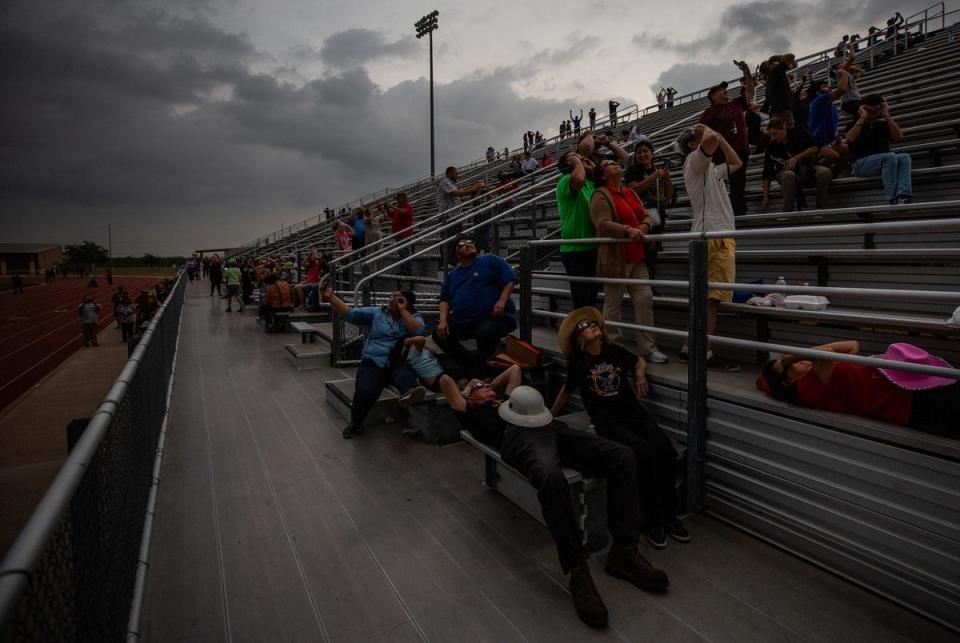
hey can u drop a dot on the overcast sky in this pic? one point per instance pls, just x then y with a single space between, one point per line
203 124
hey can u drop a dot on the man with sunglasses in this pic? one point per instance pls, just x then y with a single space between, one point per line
385 324
475 304
869 140
539 447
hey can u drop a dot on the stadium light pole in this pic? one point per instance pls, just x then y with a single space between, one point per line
425 27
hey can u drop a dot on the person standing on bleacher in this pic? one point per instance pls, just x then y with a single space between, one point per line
531 441
711 211
385 325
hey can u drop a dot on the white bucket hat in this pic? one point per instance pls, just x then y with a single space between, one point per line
525 408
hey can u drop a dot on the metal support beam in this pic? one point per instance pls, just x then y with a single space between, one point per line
526 292
697 375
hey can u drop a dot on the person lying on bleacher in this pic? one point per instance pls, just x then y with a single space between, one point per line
869 139
789 157
599 370
539 447
475 304
923 402
385 324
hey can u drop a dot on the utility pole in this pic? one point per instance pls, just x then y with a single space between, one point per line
110 244
426 26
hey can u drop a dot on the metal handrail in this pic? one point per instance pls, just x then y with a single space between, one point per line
792 231
810 353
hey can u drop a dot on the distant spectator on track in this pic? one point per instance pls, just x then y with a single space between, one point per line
869 139
712 211
115 300
89 312
17 280
126 315
922 402
109 275
728 119
475 303
790 159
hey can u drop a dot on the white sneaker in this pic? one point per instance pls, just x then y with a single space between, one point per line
656 357
413 396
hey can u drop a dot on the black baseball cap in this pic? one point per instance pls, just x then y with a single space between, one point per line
721 85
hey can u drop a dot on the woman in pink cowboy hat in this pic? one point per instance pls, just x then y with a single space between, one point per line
924 402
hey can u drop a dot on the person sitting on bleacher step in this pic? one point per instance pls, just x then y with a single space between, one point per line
598 370
385 324
277 298
475 304
789 158
539 447
869 139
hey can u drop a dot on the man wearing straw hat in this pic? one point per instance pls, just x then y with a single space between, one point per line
539 447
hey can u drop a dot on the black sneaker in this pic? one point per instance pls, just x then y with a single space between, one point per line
351 431
586 598
677 531
627 563
714 363
656 538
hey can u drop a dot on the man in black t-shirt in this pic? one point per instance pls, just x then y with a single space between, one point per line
789 158
869 140
539 447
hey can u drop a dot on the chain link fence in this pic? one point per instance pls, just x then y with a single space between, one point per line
70 575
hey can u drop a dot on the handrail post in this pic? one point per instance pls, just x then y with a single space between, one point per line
526 292
336 324
697 375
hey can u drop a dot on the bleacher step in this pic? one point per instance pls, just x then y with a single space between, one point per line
307 357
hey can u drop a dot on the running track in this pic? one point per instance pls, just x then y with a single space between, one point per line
40 328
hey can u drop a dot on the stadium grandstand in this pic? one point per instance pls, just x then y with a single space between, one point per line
213 497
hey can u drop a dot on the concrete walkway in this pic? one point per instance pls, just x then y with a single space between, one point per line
271 527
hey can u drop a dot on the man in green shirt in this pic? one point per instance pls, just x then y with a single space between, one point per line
232 275
574 192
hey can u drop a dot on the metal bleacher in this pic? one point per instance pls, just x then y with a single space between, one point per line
876 504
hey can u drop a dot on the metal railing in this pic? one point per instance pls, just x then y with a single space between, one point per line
75 569
696 335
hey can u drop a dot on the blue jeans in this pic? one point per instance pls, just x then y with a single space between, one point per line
893 168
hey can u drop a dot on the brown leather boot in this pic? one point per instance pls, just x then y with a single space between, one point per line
629 564
586 598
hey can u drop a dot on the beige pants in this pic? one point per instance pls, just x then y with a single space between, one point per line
642 298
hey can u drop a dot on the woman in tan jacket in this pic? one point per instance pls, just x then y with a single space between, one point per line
617 212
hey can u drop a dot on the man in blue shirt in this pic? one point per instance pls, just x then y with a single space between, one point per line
386 325
475 304
822 117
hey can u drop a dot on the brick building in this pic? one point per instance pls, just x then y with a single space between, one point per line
28 258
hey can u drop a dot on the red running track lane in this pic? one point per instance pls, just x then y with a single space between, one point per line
40 328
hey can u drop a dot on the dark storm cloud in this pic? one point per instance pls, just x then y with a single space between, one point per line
158 122
357 46
757 29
